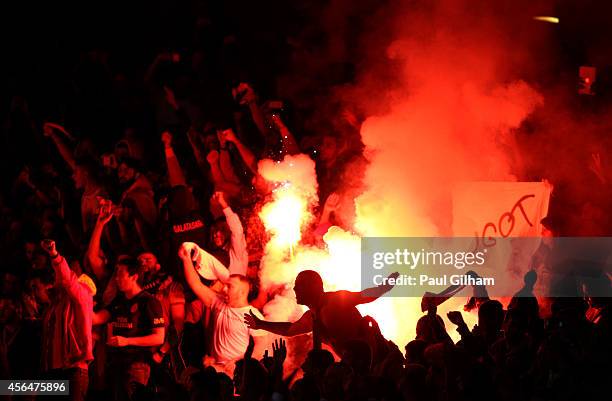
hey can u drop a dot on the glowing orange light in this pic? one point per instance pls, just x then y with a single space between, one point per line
294 195
338 262
284 217
552 20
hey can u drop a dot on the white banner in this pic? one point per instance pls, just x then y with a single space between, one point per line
489 210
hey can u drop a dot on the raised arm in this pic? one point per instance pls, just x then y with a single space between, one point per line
596 168
205 294
176 176
245 95
219 181
325 220
225 161
372 294
302 326
215 171
193 137
456 318
245 153
470 342
233 221
152 69
288 143
25 179
111 290
50 130
93 255
65 277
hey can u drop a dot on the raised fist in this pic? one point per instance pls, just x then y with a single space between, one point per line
166 139
219 197
455 317
49 127
244 93
227 135
184 252
48 245
332 202
212 157
106 211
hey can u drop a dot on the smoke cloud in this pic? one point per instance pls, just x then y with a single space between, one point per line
450 95
448 91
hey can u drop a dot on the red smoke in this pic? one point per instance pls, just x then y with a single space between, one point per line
449 91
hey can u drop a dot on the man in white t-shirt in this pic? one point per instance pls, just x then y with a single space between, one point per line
231 334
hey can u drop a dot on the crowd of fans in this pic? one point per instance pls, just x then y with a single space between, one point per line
140 282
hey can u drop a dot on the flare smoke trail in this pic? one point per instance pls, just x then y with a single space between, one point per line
450 116
444 87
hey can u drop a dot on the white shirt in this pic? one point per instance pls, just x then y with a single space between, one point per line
238 255
231 334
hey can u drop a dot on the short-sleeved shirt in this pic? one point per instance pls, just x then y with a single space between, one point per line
136 317
231 334
168 292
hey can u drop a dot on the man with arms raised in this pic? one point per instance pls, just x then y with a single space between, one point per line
231 335
67 321
332 316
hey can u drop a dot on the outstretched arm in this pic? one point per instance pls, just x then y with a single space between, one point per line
372 294
205 294
302 326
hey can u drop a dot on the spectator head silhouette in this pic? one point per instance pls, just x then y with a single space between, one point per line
491 316
308 288
358 355
317 362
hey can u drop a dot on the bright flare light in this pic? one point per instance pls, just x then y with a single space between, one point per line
295 193
284 217
338 262
552 20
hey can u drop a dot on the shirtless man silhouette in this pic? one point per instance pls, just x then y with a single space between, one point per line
332 316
